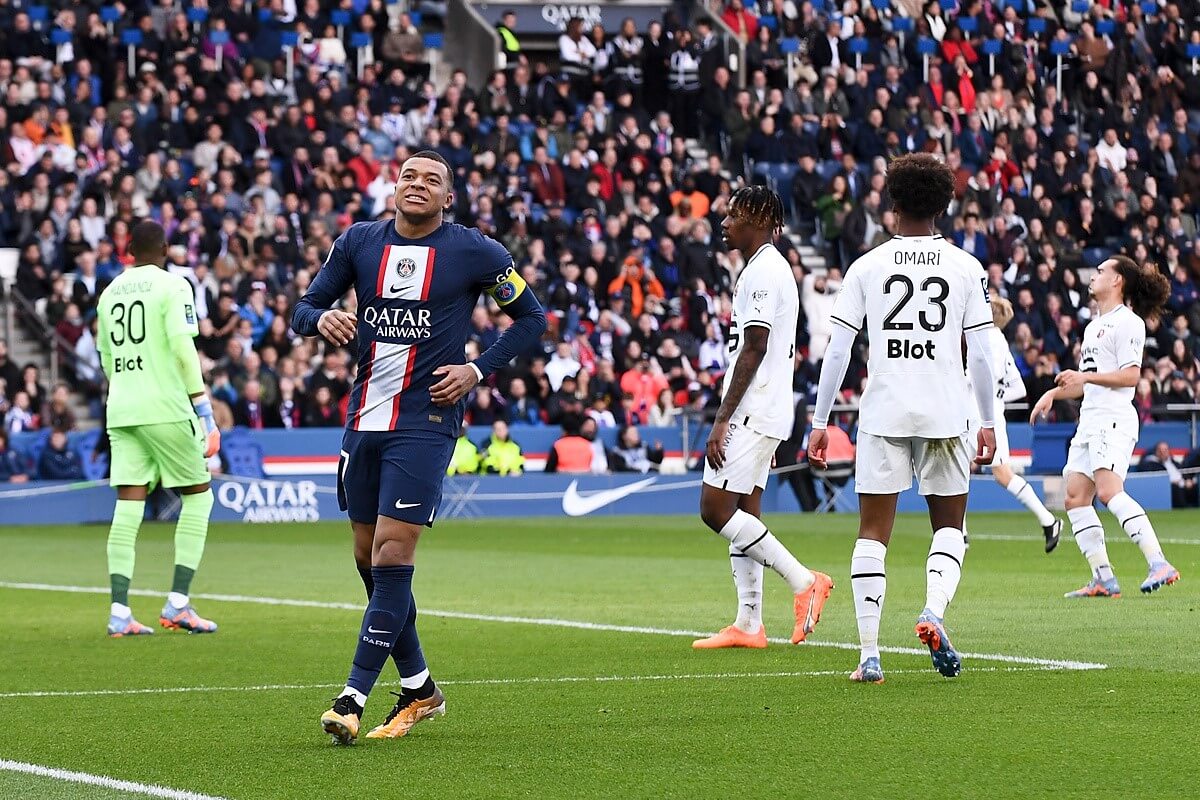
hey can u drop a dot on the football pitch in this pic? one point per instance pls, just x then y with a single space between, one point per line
564 650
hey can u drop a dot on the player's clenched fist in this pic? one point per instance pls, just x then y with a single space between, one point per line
457 380
338 326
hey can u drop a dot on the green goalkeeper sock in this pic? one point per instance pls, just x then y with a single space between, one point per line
122 541
190 534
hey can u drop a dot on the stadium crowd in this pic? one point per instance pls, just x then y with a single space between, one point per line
605 171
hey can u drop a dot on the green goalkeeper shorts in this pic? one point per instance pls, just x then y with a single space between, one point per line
170 453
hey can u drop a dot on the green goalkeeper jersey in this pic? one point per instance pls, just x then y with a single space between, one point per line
139 315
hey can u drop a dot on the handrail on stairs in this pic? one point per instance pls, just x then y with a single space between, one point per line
41 330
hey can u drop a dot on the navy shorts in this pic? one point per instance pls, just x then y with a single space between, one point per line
395 474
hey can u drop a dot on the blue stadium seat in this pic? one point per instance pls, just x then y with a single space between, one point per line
434 41
789 45
243 455
33 451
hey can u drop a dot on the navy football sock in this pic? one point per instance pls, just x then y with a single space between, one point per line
382 624
407 653
409 665
368 581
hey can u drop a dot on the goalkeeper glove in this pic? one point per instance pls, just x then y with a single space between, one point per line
212 436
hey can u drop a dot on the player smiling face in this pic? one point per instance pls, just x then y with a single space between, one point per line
424 189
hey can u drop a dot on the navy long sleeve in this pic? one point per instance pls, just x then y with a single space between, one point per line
334 279
529 323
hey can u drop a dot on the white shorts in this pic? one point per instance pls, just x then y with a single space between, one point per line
1103 448
886 464
748 455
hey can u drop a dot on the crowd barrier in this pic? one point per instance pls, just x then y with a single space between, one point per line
300 467
312 498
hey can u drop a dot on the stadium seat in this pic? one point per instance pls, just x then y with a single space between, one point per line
1050 444
434 41
243 455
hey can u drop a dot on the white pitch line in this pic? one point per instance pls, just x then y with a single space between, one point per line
1013 537
531 681
86 778
549 622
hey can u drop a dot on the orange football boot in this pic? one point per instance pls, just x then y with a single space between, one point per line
407 713
733 636
809 604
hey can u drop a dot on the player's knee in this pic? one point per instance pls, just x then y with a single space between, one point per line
714 513
1107 493
395 543
1076 500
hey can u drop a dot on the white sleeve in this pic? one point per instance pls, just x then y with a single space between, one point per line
763 294
978 312
1131 343
980 370
850 307
833 372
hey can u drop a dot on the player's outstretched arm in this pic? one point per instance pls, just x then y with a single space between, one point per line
314 315
749 358
1074 381
833 372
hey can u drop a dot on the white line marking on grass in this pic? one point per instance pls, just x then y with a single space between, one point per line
535 680
1013 537
145 789
549 622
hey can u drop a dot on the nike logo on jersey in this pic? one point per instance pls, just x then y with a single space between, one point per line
874 600
400 504
576 505
376 630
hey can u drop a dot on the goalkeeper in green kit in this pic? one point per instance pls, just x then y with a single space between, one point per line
160 423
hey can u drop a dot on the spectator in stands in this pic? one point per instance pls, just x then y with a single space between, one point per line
58 462
12 467
322 411
631 454
465 459
58 414
252 412
10 374
1183 488
500 455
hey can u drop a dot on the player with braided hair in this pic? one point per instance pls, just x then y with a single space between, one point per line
1110 365
755 415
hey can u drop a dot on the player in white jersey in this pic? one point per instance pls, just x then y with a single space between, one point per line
916 296
1009 387
755 415
1110 364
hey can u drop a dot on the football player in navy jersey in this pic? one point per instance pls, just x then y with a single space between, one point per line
417 280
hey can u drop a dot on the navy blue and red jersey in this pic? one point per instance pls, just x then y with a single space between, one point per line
415 298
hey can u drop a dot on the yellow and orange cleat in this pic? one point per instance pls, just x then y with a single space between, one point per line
733 636
407 712
343 720
809 604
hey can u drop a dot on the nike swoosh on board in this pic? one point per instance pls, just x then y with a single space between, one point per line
576 505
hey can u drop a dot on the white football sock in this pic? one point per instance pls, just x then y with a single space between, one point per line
1133 519
749 535
177 600
358 696
1089 535
1019 488
943 568
747 578
414 681
121 610
869 583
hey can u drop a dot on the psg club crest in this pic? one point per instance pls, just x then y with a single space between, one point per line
505 292
406 267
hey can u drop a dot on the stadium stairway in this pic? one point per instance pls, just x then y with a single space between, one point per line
24 347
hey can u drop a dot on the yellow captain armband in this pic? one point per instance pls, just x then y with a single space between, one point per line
508 287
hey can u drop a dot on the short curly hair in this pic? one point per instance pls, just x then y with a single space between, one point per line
920 185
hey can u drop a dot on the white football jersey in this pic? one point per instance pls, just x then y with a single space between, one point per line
1111 342
1009 386
915 295
766 296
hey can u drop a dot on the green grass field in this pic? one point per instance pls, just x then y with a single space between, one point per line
538 708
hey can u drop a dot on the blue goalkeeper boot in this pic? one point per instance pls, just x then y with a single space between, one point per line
931 633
